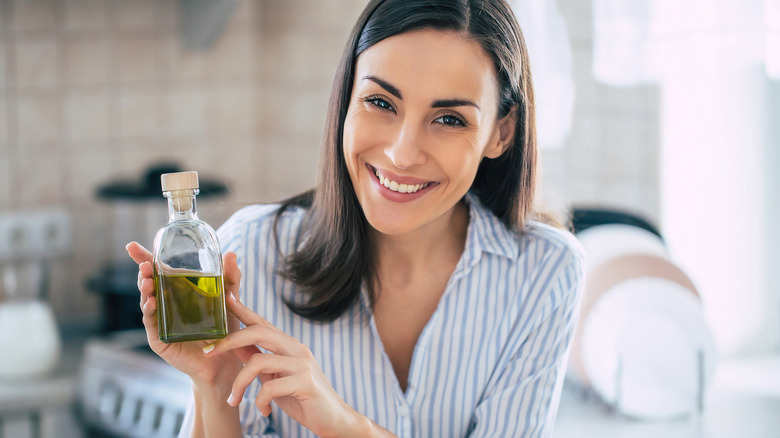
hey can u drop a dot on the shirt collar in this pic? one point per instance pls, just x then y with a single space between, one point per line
486 233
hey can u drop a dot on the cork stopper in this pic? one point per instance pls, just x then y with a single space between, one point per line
180 185
179 181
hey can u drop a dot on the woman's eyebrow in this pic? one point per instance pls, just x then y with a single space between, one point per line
386 85
443 103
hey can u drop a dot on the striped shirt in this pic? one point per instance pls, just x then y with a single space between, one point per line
489 363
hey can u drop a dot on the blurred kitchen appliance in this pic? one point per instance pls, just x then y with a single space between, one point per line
30 241
29 336
137 212
125 390
643 344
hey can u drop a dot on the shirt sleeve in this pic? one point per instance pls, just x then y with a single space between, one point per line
523 400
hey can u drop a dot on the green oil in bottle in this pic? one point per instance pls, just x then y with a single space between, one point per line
190 307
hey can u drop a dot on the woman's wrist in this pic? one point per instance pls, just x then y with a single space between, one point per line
212 412
360 426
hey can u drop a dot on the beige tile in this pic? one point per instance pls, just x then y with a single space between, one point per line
134 156
243 166
87 60
93 233
167 13
135 13
86 172
291 170
37 118
139 113
337 17
235 111
85 14
185 113
36 62
300 58
232 56
4 137
137 59
7 183
245 16
302 113
3 63
179 64
39 180
33 15
86 116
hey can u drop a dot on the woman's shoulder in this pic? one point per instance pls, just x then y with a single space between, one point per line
553 239
555 258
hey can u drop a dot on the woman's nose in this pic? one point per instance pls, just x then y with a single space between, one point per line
406 151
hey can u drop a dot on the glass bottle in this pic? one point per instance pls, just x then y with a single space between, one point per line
187 268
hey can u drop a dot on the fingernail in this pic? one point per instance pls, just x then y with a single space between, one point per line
233 297
230 399
209 348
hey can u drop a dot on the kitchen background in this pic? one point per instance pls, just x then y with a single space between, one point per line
95 91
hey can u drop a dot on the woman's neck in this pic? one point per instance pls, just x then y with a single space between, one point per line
427 249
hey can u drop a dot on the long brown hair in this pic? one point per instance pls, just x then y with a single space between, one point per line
335 259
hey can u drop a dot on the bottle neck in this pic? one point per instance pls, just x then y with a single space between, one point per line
181 205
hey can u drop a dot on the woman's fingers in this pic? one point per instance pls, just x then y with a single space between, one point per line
276 388
261 364
246 353
244 313
149 319
263 335
232 273
138 253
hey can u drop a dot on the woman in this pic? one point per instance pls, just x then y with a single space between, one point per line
409 294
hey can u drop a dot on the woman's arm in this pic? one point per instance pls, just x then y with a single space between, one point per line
523 399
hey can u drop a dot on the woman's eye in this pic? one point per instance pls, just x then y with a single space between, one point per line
450 120
380 103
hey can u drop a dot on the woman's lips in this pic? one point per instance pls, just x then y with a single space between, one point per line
399 188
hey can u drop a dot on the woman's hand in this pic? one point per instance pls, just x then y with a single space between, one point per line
290 376
188 356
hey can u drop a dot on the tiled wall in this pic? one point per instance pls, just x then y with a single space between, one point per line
611 156
95 90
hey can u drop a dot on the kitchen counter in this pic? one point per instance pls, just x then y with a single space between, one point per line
744 401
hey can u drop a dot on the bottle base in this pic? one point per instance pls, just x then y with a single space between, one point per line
171 339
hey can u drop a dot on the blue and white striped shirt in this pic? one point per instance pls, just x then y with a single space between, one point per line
490 362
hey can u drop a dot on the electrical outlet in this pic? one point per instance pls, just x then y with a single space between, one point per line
34 234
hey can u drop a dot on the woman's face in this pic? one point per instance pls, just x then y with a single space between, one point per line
422 115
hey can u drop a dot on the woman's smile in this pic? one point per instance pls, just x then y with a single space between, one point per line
399 188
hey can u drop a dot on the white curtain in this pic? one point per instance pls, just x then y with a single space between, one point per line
711 60
548 47
637 42
772 23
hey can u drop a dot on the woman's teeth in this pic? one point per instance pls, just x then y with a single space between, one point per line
400 188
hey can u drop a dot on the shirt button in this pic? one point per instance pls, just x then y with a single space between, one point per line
403 410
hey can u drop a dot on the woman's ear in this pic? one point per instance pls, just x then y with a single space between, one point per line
504 135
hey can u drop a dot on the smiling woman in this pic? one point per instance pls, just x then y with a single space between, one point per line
410 293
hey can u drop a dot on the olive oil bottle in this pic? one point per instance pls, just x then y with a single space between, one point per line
187 268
